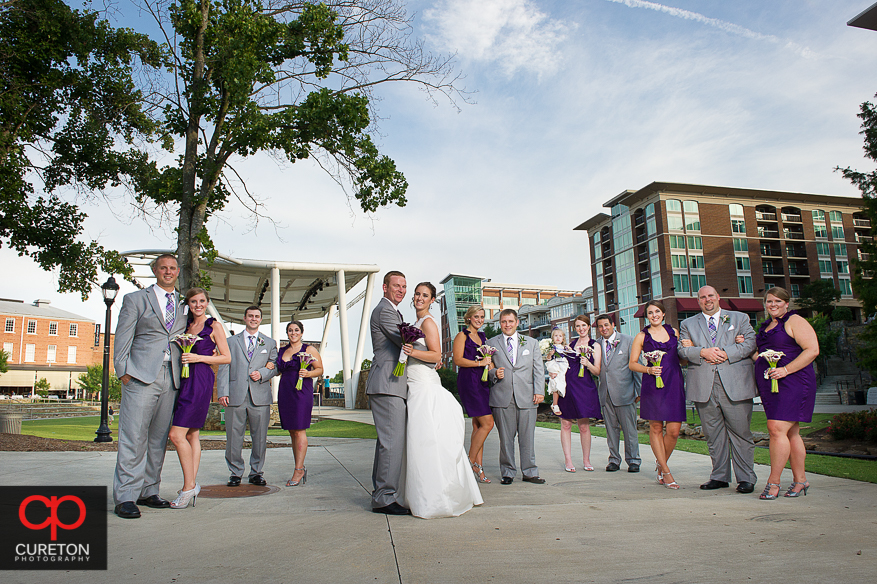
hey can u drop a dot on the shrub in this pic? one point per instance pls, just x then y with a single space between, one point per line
861 425
842 313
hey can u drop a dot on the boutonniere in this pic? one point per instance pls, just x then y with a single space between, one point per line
261 343
521 340
726 319
615 344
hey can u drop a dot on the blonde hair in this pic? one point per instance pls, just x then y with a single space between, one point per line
560 330
472 311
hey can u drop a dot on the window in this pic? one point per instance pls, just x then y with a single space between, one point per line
696 262
31 327
736 210
845 288
677 242
843 267
680 281
744 284
835 217
7 348
698 281
656 286
742 264
837 232
51 353
674 206
738 226
823 249
695 242
598 251
840 250
825 267
679 262
30 352
653 247
795 291
53 329
74 329
655 264
71 354
690 207
692 222
10 325
650 209
819 224
674 223
741 244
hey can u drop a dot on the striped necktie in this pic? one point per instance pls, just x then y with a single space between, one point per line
510 349
713 329
169 312
250 347
608 350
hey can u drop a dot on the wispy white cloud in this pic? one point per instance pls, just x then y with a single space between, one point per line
514 34
723 25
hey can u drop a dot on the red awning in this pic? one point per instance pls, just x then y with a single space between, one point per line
724 304
747 304
687 305
641 313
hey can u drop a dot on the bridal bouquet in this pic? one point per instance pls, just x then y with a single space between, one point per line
584 351
305 360
186 341
486 351
654 359
409 335
772 357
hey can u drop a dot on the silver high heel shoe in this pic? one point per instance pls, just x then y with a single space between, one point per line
185 497
792 493
299 482
479 473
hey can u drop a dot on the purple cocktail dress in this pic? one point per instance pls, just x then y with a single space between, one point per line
665 404
797 391
473 392
294 405
581 399
196 390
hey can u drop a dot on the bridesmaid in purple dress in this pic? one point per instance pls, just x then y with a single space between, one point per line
664 404
193 401
581 401
793 403
295 405
473 392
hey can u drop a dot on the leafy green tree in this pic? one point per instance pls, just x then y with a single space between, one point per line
289 77
448 379
42 387
819 296
70 120
827 338
92 380
842 313
4 361
338 378
490 330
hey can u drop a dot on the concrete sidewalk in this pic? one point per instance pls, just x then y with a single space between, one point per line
582 527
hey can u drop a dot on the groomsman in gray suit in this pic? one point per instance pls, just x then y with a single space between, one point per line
387 395
618 391
244 388
517 388
721 383
148 364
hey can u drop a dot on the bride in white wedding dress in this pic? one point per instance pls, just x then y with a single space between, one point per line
436 480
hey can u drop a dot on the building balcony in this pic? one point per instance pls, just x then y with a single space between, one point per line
788 218
765 216
863 238
767 269
862 223
794 252
646 297
793 235
643 256
639 220
770 252
864 257
641 237
770 234
541 322
795 270
610 286
644 275
611 307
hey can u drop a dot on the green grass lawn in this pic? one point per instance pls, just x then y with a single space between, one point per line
84 429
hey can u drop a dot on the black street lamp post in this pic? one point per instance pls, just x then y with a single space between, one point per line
109 291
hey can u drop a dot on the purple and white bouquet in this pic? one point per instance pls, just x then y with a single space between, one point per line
409 335
486 351
654 359
772 357
305 360
584 351
186 341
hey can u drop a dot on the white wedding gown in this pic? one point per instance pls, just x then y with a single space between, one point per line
437 480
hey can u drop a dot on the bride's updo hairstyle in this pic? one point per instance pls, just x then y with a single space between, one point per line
429 286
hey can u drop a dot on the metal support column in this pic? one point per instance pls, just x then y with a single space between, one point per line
364 326
349 390
275 319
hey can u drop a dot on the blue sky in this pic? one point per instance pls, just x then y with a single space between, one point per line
574 101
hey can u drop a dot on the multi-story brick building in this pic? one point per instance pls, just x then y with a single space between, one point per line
666 240
46 342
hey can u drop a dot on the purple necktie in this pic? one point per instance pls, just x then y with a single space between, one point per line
713 330
250 347
169 312
608 350
510 350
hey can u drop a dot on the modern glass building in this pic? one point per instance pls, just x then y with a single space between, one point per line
461 292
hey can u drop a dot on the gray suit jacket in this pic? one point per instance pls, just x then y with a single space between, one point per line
387 345
233 379
521 382
141 337
737 373
618 383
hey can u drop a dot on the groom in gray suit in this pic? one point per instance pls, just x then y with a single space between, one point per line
148 364
721 383
387 395
517 387
618 391
244 388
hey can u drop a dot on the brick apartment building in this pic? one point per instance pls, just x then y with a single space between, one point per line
666 240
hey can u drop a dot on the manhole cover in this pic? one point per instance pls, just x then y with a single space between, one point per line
226 492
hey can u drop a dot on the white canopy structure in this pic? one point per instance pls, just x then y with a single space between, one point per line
293 290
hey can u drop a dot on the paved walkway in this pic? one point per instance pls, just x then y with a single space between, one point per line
582 527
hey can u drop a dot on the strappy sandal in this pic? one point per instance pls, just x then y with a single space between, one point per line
479 473
299 482
766 496
555 409
569 468
792 493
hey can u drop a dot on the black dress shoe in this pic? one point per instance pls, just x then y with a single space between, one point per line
127 510
632 468
536 479
257 480
154 501
506 480
711 484
612 467
745 487
393 508
233 481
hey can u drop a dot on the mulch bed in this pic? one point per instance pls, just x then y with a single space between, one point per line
26 443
